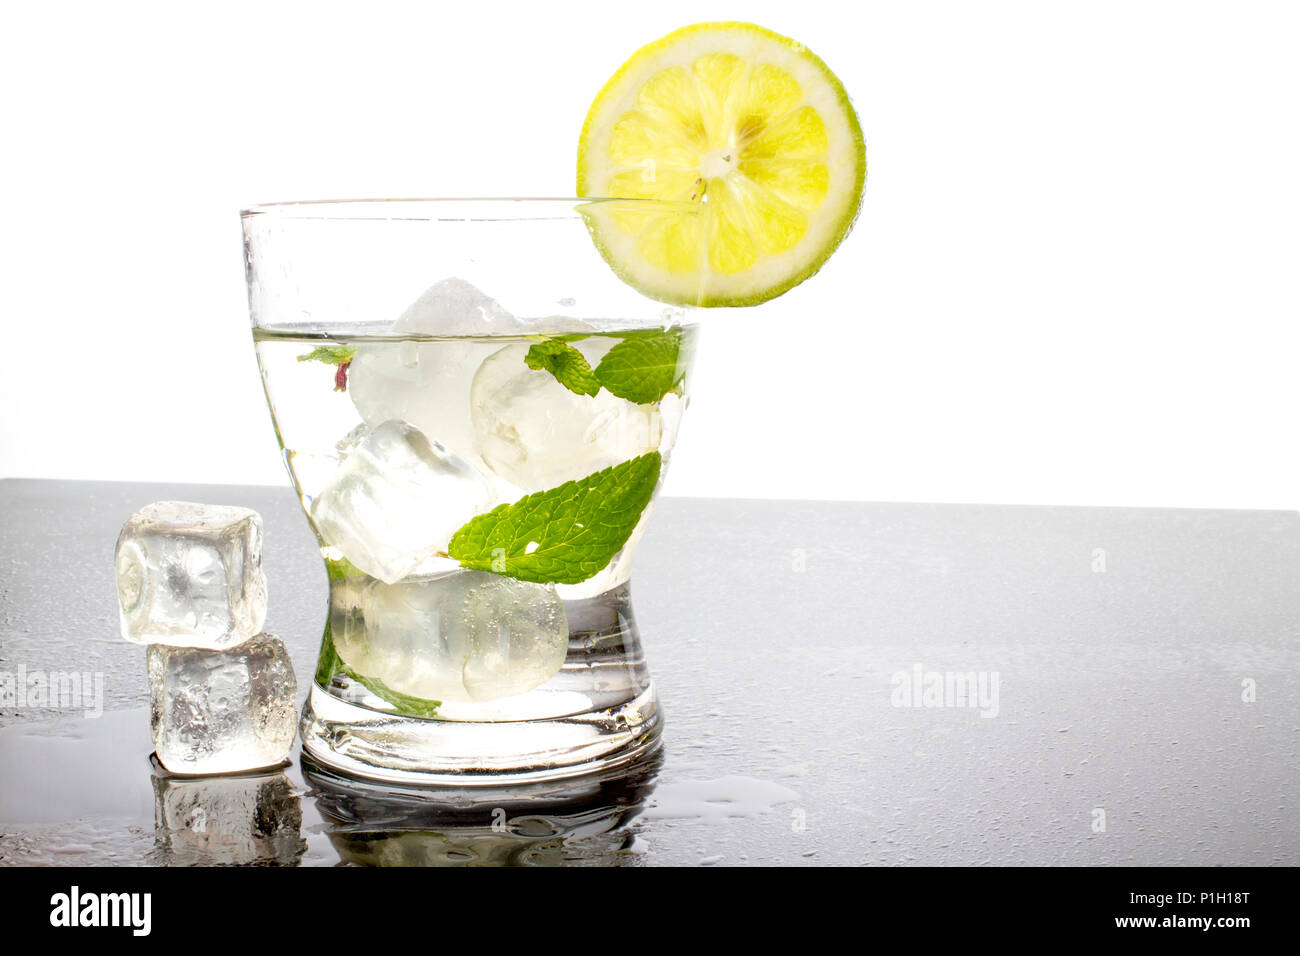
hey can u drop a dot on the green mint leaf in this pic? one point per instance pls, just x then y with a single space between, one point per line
643 368
340 355
330 664
342 568
330 354
563 534
402 703
564 362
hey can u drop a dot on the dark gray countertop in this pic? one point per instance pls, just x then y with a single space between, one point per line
781 635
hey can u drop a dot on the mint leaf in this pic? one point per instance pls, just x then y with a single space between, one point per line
342 568
402 703
644 368
564 362
563 534
330 664
340 355
330 354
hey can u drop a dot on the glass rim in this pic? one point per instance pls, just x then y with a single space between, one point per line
453 208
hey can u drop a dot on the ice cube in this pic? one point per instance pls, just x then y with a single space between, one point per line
190 575
535 433
427 383
396 500
460 636
227 821
222 711
454 307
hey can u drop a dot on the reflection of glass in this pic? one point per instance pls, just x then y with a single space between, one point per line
572 823
436 369
232 820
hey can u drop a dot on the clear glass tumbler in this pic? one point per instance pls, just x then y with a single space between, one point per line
476 413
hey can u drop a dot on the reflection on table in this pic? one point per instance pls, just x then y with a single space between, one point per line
577 822
252 819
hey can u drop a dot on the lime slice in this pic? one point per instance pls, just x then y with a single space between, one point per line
753 144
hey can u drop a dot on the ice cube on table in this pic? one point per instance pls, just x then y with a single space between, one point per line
461 636
222 711
427 383
396 500
227 821
536 434
190 575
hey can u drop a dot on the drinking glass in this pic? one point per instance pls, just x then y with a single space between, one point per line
476 412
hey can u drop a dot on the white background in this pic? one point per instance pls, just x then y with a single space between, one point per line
1074 279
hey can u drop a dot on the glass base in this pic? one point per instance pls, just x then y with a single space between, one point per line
599 713
361 742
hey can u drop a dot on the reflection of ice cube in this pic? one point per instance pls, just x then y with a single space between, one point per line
227 821
427 383
191 575
537 434
222 711
461 636
396 500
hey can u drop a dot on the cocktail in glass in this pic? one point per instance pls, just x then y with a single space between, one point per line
476 414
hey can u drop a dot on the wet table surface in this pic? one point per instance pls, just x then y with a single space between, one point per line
1132 699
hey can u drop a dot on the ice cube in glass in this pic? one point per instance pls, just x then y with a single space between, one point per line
396 500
